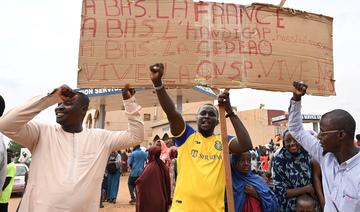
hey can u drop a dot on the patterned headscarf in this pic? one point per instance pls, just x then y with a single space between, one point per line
292 170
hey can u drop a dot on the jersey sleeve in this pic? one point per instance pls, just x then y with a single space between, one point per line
230 138
184 135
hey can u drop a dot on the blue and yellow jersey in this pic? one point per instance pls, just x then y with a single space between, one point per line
200 184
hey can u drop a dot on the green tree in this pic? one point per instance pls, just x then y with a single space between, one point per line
15 147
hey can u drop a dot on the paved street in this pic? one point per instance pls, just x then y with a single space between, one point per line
122 203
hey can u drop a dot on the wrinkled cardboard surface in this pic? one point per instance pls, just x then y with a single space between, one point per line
218 45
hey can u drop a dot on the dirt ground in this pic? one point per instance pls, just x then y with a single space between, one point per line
122 203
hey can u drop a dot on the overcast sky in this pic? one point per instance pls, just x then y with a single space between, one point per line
39 42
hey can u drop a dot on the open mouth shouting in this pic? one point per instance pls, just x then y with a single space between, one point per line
59 114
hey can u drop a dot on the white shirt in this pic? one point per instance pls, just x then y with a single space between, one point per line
3 161
67 168
341 182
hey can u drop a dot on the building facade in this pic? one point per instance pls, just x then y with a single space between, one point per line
259 122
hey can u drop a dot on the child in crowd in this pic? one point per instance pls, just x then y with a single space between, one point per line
305 203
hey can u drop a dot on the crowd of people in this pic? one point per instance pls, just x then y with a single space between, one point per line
308 172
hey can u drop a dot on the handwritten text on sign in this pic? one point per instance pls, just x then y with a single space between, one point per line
219 45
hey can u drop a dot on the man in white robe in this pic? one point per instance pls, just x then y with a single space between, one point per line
68 161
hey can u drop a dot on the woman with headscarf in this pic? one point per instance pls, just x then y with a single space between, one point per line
251 193
165 153
153 185
292 173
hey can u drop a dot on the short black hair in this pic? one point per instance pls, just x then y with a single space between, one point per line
2 105
83 99
341 120
358 136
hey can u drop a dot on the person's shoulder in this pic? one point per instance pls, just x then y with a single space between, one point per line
356 159
145 156
11 169
279 156
135 152
47 126
138 152
187 131
2 146
12 165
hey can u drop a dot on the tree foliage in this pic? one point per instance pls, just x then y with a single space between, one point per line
15 147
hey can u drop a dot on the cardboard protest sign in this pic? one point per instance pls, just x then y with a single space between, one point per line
214 44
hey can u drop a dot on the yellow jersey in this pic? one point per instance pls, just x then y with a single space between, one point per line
200 184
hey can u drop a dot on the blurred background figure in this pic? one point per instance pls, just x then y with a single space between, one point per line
168 141
358 140
113 176
3 154
103 196
136 163
254 161
153 186
124 162
173 169
264 159
9 182
25 156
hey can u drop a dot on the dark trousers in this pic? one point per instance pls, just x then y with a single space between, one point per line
4 207
131 185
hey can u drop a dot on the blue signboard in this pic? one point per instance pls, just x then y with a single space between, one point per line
92 92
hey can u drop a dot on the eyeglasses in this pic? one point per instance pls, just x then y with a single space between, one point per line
321 133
